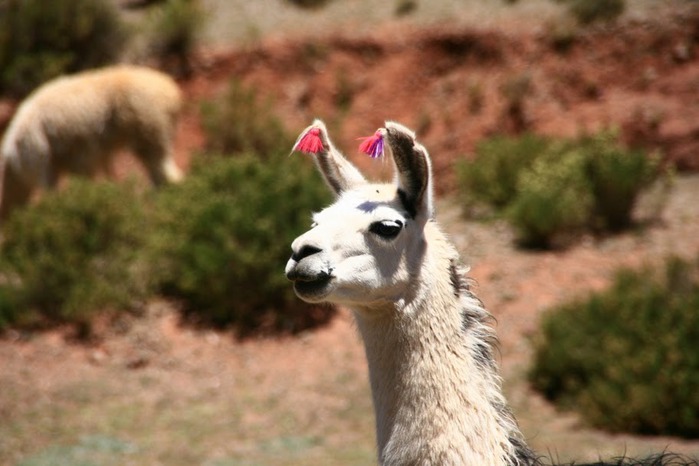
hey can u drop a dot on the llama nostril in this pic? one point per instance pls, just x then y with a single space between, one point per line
305 251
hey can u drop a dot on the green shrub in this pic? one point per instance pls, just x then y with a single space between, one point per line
224 236
40 39
11 312
590 11
73 253
175 31
548 188
562 34
617 176
476 97
345 91
492 178
627 359
553 198
405 7
310 4
239 122
516 90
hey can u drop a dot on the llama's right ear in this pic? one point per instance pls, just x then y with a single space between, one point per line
338 172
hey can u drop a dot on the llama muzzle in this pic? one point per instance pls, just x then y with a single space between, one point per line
310 275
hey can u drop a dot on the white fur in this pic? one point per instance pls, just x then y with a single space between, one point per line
75 123
435 385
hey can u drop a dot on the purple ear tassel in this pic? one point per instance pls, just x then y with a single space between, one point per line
373 145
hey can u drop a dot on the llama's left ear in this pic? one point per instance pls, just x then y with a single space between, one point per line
413 170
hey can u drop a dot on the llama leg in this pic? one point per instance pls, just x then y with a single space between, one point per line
15 192
164 171
158 160
172 172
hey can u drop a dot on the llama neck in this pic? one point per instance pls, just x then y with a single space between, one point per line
434 382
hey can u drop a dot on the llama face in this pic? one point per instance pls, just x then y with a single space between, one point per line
363 250
357 251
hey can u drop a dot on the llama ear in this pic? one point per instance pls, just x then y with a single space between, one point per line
413 170
338 172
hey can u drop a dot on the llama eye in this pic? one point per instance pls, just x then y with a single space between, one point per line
387 229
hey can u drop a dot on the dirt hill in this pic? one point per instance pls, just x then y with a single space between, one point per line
456 85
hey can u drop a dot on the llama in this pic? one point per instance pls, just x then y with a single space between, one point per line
428 339
74 124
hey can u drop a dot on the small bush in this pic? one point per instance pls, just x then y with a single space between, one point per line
590 11
627 359
476 97
617 176
405 7
309 4
224 236
516 90
72 254
553 198
238 122
549 188
345 91
40 40
11 312
175 32
492 178
562 34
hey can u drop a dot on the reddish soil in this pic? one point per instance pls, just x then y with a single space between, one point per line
456 86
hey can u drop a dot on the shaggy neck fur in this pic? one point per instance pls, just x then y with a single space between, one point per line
435 385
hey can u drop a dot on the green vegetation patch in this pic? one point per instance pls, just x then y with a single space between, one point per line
40 40
73 253
224 235
552 188
174 30
591 11
627 359
239 121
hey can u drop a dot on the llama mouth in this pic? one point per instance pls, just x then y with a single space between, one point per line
312 287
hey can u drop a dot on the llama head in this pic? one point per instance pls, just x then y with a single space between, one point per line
365 249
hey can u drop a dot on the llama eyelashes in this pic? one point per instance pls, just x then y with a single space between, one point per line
387 229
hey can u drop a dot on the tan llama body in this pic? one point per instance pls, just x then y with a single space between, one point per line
74 124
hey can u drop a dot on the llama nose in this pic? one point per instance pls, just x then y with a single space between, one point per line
305 251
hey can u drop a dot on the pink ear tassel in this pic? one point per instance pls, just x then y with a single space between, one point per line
372 145
309 142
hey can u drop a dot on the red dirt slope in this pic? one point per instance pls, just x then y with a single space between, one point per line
456 86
